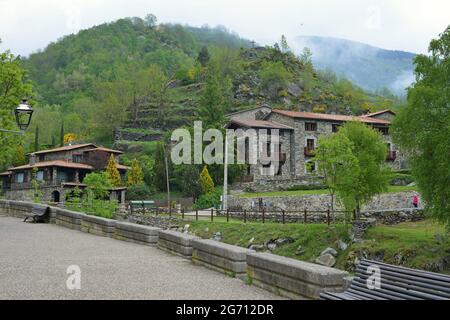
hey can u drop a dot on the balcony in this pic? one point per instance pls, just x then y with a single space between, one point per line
310 152
391 156
243 179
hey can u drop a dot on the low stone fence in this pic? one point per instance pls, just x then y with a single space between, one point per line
221 257
284 276
388 207
176 242
98 225
293 278
68 219
136 233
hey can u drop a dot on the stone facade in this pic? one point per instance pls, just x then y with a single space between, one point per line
297 146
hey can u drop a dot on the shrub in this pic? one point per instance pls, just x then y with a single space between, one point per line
209 200
138 192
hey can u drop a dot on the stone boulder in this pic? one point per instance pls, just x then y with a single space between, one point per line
326 260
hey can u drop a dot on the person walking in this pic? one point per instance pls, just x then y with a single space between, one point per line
415 200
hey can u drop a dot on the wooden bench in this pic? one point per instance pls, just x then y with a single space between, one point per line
396 283
38 213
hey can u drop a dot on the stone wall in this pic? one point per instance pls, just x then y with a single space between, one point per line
320 202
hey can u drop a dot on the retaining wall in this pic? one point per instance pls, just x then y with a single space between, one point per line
220 256
98 225
136 233
293 278
68 219
176 242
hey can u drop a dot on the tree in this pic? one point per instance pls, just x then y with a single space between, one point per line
61 135
187 180
36 139
422 128
135 175
206 182
150 20
98 184
203 56
284 44
337 163
70 137
360 172
112 172
212 104
13 88
160 168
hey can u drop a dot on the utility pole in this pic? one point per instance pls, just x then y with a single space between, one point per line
225 176
167 180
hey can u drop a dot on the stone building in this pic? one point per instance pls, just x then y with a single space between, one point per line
59 171
298 134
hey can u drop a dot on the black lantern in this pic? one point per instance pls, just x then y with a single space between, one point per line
23 114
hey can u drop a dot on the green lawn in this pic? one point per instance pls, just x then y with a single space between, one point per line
411 244
312 237
305 192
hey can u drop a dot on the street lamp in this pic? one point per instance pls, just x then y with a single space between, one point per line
23 114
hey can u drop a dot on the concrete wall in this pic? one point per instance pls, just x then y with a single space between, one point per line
285 276
293 278
176 242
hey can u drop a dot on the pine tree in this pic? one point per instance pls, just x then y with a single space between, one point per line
203 56
36 139
206 182
61 135
159 168
212 103
112 172
135 176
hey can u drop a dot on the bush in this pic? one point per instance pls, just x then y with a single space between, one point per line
401 179
206 201
138 192
306 187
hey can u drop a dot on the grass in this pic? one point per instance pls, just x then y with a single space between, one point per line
306 192
313 237
410 244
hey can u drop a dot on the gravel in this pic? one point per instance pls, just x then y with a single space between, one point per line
34 260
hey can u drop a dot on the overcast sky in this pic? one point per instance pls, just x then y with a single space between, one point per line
29 25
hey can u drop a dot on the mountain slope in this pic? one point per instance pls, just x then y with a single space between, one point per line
369 67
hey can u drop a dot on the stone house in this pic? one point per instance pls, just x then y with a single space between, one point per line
298 134
59 171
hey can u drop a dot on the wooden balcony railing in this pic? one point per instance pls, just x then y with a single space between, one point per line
391 156
247 178
310 152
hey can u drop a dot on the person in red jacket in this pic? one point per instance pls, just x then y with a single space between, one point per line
415 200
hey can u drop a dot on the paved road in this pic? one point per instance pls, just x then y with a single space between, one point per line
34 260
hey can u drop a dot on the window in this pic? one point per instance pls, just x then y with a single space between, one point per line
77 158
40 175
20 177
41 157
335 127
310 126
310 167
384 130
310 144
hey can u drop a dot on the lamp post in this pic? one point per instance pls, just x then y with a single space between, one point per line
23 114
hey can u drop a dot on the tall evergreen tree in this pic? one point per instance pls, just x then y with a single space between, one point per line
36 139
203 56
112 172
160 168
61 135
135 175
212 103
